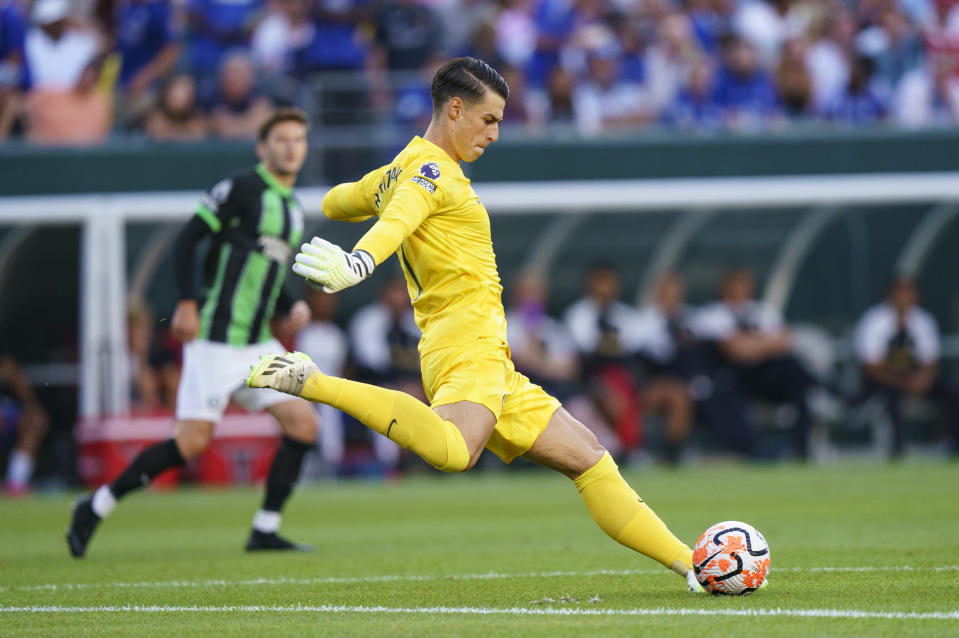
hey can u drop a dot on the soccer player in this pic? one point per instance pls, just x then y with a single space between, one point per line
756 343
254 223
897 345
429 215
20 412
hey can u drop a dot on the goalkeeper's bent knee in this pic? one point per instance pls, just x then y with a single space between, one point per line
457 452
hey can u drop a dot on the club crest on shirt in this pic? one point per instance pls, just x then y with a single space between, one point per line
218 195
430 170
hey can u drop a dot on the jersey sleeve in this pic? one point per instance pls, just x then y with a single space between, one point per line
770 320
580 321
714 323
351 201
870 338
413 201
221 203
928 347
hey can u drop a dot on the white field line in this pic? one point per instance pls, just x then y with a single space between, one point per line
490 611
405 578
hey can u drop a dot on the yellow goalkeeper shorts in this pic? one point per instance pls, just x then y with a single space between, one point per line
482 372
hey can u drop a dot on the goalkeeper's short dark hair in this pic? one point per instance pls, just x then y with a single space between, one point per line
467 79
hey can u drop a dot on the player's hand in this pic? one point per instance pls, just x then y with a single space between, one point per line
331 267
298 317
186 321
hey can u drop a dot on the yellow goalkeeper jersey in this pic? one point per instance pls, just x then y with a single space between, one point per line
431 218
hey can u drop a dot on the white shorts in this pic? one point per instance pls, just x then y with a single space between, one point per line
214 372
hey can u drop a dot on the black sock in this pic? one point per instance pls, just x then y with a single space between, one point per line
283 473
146 466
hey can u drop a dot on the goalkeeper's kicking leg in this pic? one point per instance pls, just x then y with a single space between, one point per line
452 437
569 447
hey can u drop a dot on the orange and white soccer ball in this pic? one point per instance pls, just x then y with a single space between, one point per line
732 558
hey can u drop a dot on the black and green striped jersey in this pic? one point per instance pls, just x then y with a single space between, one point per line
256 224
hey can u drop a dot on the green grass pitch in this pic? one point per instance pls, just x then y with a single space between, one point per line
857 549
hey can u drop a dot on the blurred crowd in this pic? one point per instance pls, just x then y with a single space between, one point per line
79 71
662 381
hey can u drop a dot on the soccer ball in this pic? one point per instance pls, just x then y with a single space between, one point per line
731 558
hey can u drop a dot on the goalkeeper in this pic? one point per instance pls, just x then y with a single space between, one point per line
430 217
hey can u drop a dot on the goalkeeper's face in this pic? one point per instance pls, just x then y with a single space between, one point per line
476 126
284 149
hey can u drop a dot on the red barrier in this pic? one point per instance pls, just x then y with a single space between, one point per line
241 451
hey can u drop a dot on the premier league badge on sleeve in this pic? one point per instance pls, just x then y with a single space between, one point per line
430 170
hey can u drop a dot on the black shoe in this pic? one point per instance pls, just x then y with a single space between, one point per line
82 525
262 541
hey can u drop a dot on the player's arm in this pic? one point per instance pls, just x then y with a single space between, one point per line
749 347
15 377
928 352
291 314
870 342
882 374
34 419
186 317
410 205
351 201
347 203
215 210
772 339
335 269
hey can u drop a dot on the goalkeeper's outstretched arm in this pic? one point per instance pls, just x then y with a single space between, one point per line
348 202
327 265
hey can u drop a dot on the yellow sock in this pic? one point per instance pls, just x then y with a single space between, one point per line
622 514
397 416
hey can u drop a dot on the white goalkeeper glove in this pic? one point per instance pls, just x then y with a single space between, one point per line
331 267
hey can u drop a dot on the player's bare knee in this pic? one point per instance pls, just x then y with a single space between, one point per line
302 427
474 459
192 439
191 445
591 457
460 455
297 419
589 451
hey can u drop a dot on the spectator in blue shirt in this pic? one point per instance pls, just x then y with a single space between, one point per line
632 49
334 44
694 107
12 33
555 22
743 91
215 27
709 20
860 103
146 43
406 34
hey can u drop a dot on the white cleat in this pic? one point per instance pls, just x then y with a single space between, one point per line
284 372
694 586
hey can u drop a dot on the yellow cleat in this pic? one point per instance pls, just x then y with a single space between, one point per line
284 372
